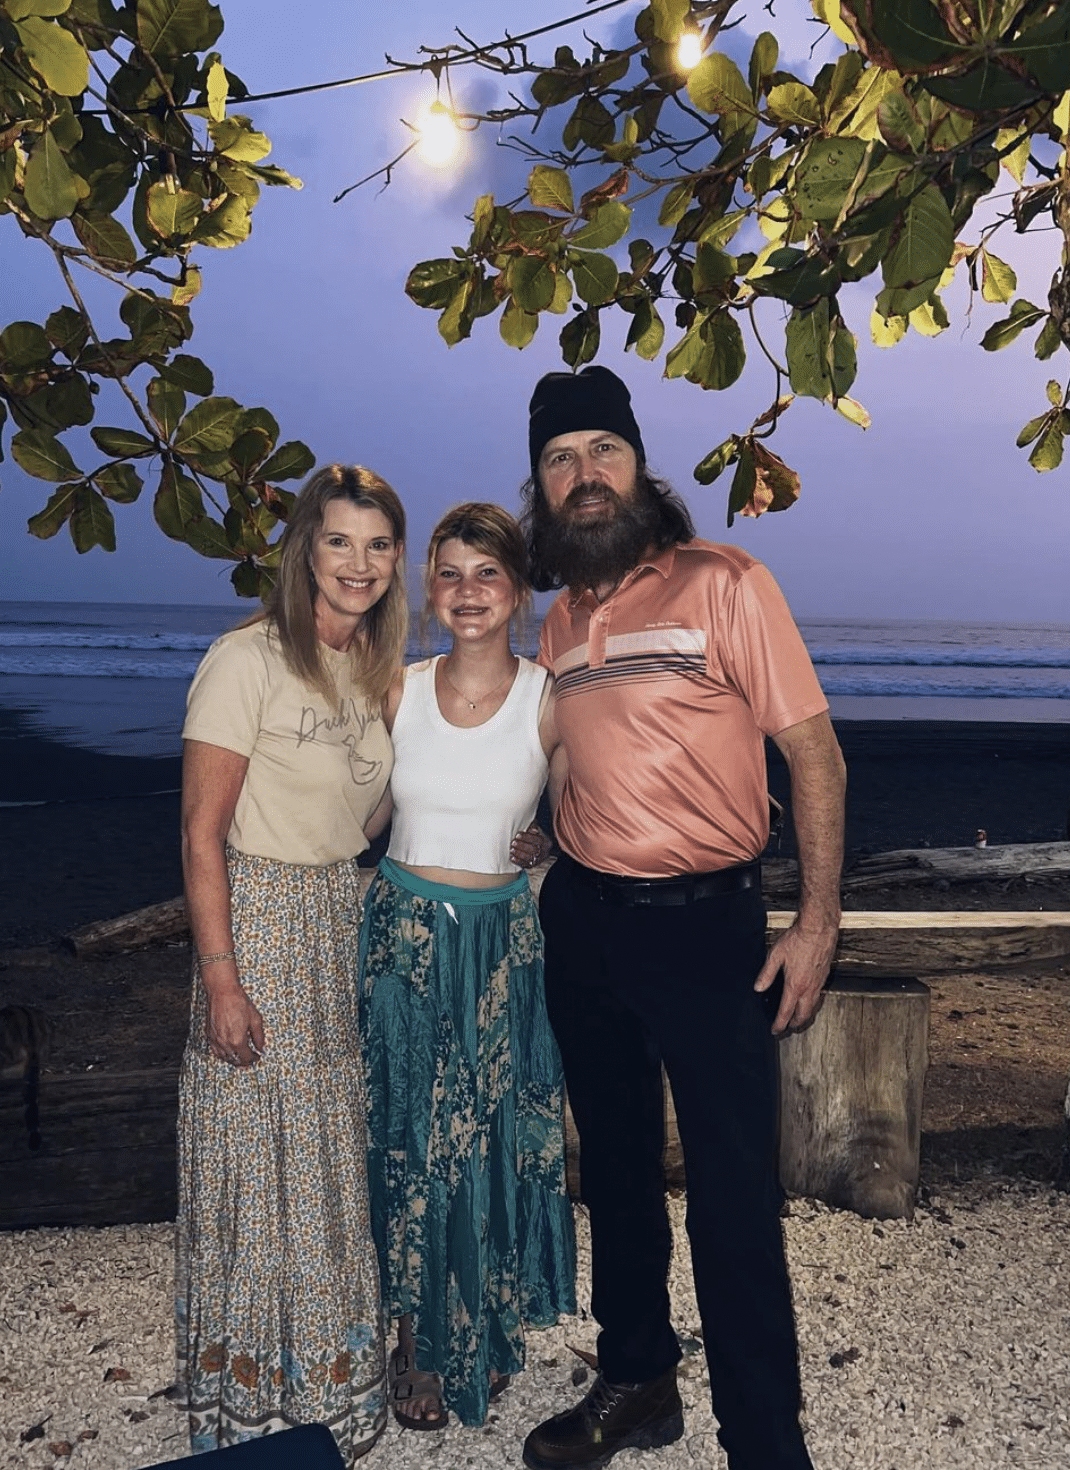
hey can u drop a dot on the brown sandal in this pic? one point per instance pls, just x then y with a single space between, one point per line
407 1382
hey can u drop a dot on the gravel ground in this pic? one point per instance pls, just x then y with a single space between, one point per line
939 1344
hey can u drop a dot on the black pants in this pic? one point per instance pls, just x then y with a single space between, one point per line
629 989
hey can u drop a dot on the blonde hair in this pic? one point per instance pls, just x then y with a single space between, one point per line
291 604
493 531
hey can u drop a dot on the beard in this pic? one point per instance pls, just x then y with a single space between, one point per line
590 552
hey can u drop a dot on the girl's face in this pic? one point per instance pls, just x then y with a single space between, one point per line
353 559
471 593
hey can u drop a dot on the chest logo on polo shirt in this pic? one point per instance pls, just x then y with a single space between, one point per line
661 651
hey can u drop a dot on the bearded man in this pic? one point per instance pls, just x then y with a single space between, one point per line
674 658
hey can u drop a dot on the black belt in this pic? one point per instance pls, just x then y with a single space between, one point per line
655 892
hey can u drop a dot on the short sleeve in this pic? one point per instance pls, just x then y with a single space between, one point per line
226 699
765 655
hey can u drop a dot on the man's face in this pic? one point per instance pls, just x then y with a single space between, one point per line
582 472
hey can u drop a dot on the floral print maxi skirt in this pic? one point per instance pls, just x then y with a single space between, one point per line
466 1162
277 1290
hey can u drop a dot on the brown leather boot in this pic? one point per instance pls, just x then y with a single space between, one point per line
612 1417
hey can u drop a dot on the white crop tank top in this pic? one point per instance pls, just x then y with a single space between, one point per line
460 796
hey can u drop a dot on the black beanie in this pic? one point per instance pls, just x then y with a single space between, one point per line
592 399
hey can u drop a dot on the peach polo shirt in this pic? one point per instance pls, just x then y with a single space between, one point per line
664 694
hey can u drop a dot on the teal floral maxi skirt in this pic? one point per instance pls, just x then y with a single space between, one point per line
466 1160
277 1289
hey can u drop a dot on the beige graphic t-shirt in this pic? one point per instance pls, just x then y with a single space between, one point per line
316 772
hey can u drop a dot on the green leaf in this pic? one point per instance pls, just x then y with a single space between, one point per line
669 17
901 301
741 491
724 355
716 85
647 331
795 103
290 461
682 359
550 188
208 538
119 482
167 28
259 418
717 461
455 323
62 404
167 404
1049 341
518 326
189 287
225 226
67 331
924 241
1055 393
825 175
123 443
1000 334
901 124
208 427
248 580
1031 430
580 338
55 515
763 60
608 224
590 123
1044 49
808 345
178 503
676 203
433 283
562 294
50 187
20 9
188 373
24 346
105 239
55 55
42 455
248 449
92 523
172 211
998 280
533 283
595 278
1047 452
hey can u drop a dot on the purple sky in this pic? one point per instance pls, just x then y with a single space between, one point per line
931 513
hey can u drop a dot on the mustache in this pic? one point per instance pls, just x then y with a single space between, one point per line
589 487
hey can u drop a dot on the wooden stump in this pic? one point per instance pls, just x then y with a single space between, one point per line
850 1097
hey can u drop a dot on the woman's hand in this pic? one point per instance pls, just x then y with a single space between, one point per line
530 847
234 1026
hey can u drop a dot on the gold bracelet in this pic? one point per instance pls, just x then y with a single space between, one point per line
211 959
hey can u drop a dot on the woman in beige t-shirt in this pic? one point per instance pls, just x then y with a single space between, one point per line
286 761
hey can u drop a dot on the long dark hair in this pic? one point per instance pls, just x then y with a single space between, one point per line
671 523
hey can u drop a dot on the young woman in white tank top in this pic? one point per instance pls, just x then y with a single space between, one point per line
466 1160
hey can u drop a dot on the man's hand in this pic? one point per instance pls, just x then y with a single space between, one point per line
805 952
804 957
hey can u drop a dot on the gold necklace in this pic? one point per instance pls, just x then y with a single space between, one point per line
472 703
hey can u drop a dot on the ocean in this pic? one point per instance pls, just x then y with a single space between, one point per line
111 677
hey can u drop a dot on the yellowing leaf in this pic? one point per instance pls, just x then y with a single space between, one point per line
853 411
550 188
217 87
998 281
59 57
930 318
886 331
829 12
51 191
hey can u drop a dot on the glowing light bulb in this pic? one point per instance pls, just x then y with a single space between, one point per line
689 50
438 135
